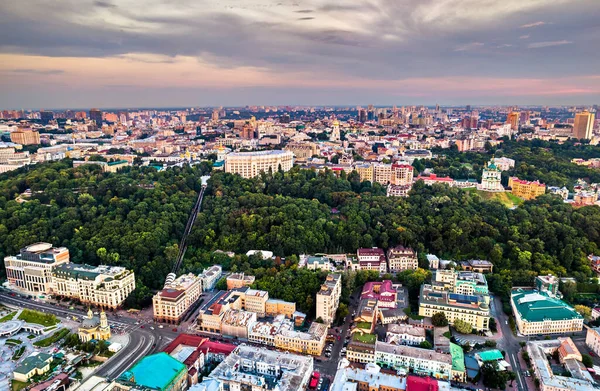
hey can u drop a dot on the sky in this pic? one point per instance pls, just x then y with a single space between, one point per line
173 53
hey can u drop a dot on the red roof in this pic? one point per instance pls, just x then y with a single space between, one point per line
370 251
434 177
171 293
416 383
202 345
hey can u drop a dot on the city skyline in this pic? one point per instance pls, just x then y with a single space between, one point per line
62 54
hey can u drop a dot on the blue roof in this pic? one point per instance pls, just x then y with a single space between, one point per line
158 371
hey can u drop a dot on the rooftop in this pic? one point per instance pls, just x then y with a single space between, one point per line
534 306
38 361
87 272
156 371
414 352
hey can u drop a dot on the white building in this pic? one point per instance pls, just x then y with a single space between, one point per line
209 277
434 261
175 299
491 178
504 163
371 259
401 258
404 334
409 359
592 339
251 164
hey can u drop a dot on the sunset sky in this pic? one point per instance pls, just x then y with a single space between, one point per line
140 53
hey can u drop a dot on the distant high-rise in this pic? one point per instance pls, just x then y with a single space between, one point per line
96 116
584 124
513 119
362 115
468 108
215 115
46 116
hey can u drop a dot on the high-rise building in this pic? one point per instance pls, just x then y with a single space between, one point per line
96 116
513 119
328 298
583 126
175 299
46 116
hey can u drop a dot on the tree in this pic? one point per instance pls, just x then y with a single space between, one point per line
439 319
586 359
426 345
493 325
492 376
584 311
462 327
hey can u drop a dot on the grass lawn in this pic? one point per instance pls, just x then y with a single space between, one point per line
364 338
18 385
37 317
18 353
30 336
7 317
44 343
505 198
14 342
364 325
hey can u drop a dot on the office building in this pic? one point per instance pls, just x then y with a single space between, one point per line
251 164
25 136
280 333
584 125
401 258
157 372
104 286
31 269
96 116
176 298
239 280
472 309
46 117
252 368
539 313
328 298
513 120
526 189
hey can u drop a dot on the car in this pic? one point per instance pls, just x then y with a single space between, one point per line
592 353
142 326
151 328
160 326
175 329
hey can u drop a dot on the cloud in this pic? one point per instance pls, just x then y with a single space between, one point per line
104 4
504 45
468 46
537 45
32 71
307 18
534 24
526 36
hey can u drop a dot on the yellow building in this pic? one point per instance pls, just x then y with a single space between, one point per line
311 342
239 280
93 327
525 189
174 300
471 309
583 125
328 298
365 172
25 136
277 307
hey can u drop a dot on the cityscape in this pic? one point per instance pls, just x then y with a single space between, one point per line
299 196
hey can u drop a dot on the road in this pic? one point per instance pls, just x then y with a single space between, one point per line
143 339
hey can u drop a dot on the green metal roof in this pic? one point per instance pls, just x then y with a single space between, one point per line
38 361
117 162
157 371
491 355
534 306
458 357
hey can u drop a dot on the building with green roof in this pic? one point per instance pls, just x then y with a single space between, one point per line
35 364
538 313
458 363
157 372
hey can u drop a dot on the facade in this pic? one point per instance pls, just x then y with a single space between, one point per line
104 286
491 178
239 280
159 372
409 359
584 125
513 120
172 302
328 298
250 368
538 313
371 378
398 190
93 327
592 339
251 164
371 259
25 136
280 333
318 263
31 269
525 189
209 277
401 258
469 308
478 265
504 163
237 323
434 261
402 174
548 284
302 151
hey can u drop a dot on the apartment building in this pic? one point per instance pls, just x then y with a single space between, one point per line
592 339
25 136
404 334
328 298
526 189
237 323
104 286
251 164
365 172
302 151
372 259
401 258
172 302
539 313
280 333
469 308
402 174
239 280
409 359
31 269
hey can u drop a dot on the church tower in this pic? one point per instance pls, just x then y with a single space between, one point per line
103 320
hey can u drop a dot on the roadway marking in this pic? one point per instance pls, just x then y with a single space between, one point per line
517 369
